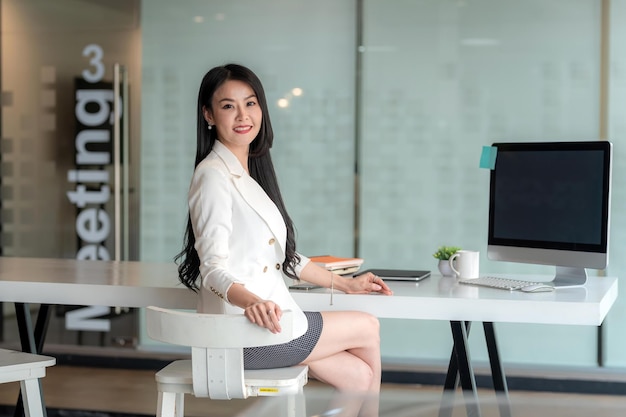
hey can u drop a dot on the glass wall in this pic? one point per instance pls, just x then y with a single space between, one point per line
435 81
57 61
308 76
615 338
441 82
47 47
380 109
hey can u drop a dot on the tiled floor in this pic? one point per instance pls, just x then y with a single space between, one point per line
111 391
87 391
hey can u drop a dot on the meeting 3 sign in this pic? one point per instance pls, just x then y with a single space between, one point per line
93 143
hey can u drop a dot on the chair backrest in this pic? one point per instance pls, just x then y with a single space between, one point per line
217 342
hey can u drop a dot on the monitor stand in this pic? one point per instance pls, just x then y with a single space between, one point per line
567 276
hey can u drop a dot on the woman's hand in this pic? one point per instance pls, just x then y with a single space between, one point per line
264 313
367 283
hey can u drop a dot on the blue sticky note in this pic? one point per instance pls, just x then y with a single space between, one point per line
488 157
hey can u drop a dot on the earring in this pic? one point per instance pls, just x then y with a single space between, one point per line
209 126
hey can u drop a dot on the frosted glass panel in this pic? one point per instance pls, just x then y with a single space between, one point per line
308 77
42 44
439 81
443 80
614 324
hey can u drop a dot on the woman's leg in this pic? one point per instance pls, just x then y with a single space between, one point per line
347 355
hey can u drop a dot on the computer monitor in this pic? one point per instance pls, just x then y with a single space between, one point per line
549 204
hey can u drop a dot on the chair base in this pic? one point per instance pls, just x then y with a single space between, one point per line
175 380
177 377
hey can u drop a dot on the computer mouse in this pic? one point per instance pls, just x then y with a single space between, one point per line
537 288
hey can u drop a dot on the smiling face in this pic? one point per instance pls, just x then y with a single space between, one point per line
237 116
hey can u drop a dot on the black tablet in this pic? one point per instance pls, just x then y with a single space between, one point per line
398 274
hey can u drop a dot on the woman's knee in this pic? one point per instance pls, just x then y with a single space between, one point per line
370 327
353 329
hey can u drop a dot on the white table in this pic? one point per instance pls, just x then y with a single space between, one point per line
442 298
25 281
72 282
139 284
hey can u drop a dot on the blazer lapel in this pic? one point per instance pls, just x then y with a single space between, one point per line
253 193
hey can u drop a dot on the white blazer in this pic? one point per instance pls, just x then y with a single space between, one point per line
240 237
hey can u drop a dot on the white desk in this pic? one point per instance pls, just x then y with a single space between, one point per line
442 298
139 284
71 282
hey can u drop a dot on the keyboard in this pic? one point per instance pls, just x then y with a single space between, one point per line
498 283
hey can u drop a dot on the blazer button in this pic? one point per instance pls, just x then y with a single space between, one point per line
216 292
272 241
265 269
277 266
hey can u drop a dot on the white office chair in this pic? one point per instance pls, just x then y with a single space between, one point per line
216 366
27 368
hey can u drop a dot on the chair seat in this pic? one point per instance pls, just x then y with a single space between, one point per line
177 377
28 369
17 366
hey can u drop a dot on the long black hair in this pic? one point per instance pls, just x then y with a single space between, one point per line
259 164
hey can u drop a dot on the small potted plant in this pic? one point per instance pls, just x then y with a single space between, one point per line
443 254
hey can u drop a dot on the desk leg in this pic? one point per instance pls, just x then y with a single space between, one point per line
1 322
497 372
452 381
460 366
31 341
452 377
25 327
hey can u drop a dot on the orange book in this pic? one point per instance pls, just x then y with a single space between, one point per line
333 263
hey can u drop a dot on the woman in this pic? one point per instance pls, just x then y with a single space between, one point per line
240 241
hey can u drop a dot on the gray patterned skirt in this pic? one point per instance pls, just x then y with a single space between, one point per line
286 354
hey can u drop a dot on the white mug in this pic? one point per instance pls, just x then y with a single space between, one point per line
467 262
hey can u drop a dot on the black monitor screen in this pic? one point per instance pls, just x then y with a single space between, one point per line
550 195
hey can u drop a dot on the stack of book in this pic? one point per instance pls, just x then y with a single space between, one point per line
341 266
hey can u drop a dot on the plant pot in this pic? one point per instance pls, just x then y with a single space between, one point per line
444 268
